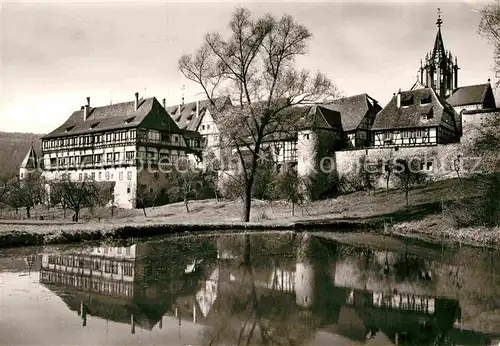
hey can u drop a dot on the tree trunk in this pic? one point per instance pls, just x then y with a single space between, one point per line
28 212
247 203
246 255
293 208
77 215
186 202
144 211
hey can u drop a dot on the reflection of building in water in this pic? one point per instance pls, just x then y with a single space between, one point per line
115 283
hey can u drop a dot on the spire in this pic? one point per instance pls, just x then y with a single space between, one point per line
438 52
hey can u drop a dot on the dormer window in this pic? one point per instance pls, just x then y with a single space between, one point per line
128 120
407 101
93 125
70 128
428 116
425 100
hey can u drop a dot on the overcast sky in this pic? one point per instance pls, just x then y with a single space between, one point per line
54 54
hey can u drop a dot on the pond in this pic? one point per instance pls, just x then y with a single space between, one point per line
249 289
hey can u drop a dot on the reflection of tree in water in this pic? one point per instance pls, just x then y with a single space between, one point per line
250 315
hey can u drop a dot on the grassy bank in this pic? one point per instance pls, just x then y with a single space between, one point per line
382 212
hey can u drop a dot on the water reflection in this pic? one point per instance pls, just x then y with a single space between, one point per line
274 290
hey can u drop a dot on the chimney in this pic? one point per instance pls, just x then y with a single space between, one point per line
398 99
164 103
179 110
197 108
86 110
136 104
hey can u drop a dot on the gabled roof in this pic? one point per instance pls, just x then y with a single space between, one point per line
411 116
352 110
469 95
323 117
30 160
116 116
185 114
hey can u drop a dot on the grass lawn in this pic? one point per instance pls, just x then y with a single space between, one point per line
425 206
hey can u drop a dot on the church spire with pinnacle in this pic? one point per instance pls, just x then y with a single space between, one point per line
439 70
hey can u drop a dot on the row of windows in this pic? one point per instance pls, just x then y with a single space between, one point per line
97 284
107 266
87 140
99 176
408 134
92 159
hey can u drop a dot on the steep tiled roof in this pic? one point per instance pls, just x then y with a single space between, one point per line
352 109
186 119
30 160
392 117
116 116
468 95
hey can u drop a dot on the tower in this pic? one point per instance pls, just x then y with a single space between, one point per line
438 70
29 164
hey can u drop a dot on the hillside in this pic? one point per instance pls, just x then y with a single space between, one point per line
13 148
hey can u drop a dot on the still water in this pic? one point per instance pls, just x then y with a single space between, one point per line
259 289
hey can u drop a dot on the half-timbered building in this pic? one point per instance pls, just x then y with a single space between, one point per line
125 142
357 114
415 118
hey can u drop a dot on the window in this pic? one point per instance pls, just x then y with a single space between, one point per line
425 100
108 137
203 127
176 139
80 176
388 136
107 175
116 157
124 136
100 175
97 158
109 157
208 127
406 101
132 134
129 175
128 189
93 175
22 175
120 175
406 134
129 156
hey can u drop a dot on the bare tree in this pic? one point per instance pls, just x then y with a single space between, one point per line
27 192
76 195
287 186
184 184
256 66
147 195
409 175
489 27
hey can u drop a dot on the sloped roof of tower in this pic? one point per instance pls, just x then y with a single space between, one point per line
352 109
185 117
438 43
472 94
438 46
420 102
30 160
116 116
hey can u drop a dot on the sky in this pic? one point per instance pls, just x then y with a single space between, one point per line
56 53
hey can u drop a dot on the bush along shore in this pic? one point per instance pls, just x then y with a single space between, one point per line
62 234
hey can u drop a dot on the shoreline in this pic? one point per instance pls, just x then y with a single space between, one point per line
32 234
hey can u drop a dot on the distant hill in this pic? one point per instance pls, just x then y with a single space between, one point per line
13 147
